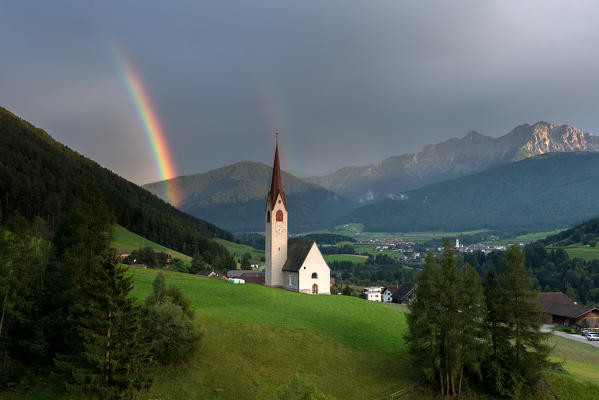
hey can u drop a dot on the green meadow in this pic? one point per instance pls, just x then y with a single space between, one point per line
345 257
256 338
237 250
126 241
579 250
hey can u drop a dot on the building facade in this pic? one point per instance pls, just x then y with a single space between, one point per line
293 265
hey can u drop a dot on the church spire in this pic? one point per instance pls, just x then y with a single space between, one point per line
276 186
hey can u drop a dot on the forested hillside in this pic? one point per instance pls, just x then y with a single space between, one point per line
41 177
552 269
536 194
585 233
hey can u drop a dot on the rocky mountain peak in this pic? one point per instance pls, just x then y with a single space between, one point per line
546 138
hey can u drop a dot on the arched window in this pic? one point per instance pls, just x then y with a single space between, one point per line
280 215
268 216
314 275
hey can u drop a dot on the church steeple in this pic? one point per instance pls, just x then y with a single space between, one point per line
276 186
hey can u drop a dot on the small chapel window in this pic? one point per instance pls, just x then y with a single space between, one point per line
280 215
268 216
314 275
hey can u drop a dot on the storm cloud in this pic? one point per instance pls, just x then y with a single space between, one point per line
346 82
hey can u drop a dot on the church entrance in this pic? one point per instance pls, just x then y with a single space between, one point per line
315 289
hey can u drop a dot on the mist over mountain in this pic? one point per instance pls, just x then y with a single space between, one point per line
235 196
540 193
454 158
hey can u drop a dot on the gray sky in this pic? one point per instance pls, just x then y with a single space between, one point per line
346 82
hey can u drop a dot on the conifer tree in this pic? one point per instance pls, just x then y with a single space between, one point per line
423 324
112 356
518 350
81 243
445 322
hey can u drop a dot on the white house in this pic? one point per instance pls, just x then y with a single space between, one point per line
388 295
373 293
293 265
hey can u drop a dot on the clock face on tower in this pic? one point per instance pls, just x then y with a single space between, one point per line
279 227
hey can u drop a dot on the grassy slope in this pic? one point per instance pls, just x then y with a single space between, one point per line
238 250
579 250
256 338
354 348
126 241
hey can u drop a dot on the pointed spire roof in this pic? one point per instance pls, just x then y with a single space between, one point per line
276 186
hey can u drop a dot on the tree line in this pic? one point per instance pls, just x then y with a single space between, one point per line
158 259
379 269
67 308
461 329
552 269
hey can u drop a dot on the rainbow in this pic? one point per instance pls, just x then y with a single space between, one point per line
149 119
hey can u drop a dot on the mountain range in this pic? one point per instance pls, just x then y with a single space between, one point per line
234 196
454 158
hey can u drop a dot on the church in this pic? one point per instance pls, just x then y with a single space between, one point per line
292 265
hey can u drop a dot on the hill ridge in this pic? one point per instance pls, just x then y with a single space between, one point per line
40 176
234 196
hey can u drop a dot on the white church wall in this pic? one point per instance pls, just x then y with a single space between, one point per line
291 280
315 263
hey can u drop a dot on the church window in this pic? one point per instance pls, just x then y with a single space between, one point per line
280 215
314 275
268 216
289 280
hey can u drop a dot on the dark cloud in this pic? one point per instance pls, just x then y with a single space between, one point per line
347 82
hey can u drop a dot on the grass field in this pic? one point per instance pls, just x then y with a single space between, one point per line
126 241
238 250
357 231
579 250
263 336
345 257
257 338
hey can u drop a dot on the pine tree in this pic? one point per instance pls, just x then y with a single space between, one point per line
79 246
470 322
518 350
445 322
423 324
112 358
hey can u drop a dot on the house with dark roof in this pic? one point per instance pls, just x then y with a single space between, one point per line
207 272
561 310
403 294
250 276
388 293
293 265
